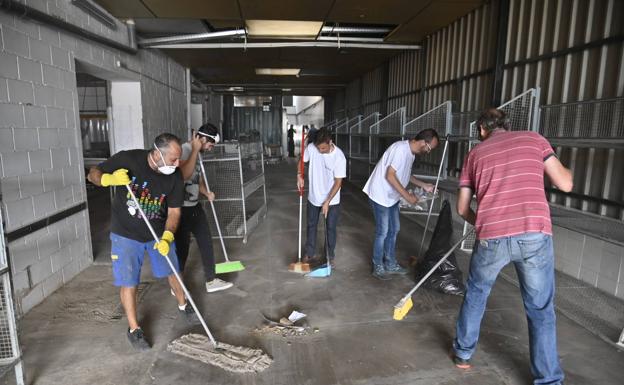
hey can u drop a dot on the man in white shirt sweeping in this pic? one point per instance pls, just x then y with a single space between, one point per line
327 168
385 187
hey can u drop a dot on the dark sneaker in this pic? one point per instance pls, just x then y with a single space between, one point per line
396 269
311 260
380 273
332 263
462 363
137 340
217 285
189 314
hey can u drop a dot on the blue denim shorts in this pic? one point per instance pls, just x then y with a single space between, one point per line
127 256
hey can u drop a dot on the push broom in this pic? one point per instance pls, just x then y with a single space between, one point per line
405 304
300 267
227 266
228 357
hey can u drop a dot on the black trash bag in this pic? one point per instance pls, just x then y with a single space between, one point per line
447 278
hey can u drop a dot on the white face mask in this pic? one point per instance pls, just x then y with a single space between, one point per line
167 170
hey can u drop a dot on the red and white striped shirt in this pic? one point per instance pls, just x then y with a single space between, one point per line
506 172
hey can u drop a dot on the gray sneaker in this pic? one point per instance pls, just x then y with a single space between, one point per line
396 269
137 340
380 273
217 285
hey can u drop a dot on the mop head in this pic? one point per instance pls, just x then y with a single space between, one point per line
237 359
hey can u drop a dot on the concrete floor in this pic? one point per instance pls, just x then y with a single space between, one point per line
357 343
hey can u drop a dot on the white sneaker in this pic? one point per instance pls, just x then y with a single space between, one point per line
217 285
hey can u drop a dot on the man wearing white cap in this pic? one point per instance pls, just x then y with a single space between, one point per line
193 217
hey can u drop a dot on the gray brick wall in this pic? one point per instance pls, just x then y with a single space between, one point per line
41 165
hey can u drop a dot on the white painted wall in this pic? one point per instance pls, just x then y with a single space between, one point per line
127 130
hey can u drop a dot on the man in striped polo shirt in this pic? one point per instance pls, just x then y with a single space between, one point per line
512 223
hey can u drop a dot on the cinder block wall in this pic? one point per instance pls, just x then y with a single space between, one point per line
41 165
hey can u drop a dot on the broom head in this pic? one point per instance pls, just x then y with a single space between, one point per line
229 267
402 308
299 267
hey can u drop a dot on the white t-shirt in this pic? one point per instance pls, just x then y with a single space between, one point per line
400 157
322 170
191 186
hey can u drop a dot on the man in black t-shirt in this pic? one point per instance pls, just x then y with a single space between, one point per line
159 189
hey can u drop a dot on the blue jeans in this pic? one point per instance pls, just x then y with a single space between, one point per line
314 212
387 226
533 257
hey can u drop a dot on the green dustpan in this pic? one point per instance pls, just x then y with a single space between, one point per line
229 267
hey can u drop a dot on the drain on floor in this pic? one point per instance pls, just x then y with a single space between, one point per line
90 305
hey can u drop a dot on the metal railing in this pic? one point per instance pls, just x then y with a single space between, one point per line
10 353
440 119
392 124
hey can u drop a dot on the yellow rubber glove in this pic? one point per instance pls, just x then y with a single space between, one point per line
163 244
117 178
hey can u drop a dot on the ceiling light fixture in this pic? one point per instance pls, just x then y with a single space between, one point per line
278 71
283 28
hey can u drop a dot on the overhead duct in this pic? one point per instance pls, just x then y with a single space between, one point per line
191 38
309 44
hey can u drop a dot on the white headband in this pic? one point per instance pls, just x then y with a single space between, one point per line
216 138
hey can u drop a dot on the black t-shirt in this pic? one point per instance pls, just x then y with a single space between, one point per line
155 192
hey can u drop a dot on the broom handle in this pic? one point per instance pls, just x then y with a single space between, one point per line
301 171
444 257
435 190
186 292
214 212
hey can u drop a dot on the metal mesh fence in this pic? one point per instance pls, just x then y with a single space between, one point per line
235 171
440 119
365 124
595 119
392 124
251 160
523 114
385 132
8 336
9 345
461 122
